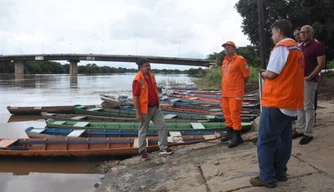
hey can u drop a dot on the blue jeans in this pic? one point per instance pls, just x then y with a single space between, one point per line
274 143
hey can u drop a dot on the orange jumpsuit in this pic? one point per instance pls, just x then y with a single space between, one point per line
234 72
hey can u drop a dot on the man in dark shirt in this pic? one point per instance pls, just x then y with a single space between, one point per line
314 55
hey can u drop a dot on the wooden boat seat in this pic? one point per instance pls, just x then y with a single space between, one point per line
197 126
193 98
81 124
210 117
37 130
98 106
76 133
215 110
170 116
79 117
38 107
81 107
136 143
95 109
59 122
175 133
209 136
174 100
7 142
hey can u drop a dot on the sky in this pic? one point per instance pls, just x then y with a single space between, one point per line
171 28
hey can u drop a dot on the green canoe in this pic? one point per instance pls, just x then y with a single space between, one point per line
171 126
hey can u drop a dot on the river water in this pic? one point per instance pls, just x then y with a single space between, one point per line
39 175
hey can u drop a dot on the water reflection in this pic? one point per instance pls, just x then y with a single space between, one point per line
74 82
21 174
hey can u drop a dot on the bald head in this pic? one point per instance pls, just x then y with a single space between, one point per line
306 33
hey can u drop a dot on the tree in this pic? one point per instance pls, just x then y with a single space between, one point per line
317 13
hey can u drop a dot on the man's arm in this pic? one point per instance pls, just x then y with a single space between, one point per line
268 74
135 99
320 66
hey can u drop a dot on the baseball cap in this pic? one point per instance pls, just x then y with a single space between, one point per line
229 43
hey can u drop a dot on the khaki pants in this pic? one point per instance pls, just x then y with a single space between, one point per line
155 114
306 116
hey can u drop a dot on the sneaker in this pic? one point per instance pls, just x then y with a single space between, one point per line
305 140
295 134
144 156
256 181
167 151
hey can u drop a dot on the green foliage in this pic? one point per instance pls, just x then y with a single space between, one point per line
330 64
212 79
250 53
318 13
219 57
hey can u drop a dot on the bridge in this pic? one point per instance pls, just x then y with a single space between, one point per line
73 59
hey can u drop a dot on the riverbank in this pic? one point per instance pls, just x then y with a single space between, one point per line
212 167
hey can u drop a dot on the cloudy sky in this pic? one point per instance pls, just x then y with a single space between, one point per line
175 28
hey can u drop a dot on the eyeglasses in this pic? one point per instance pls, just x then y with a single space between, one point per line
304 32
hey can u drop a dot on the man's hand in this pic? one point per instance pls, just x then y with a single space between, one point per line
139 116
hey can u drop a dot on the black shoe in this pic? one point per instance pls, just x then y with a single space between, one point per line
295 134
236 139
305 140
228 135
282 178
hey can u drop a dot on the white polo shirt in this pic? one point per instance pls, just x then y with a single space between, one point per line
277 61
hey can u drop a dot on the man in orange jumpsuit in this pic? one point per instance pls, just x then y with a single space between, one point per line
235 73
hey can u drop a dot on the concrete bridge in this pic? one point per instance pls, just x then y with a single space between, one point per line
19 60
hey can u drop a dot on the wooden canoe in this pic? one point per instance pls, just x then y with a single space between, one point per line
108 112
37 110
33 132
114 100
171 126
92 118
89 146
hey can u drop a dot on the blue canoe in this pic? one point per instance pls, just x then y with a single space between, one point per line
33 132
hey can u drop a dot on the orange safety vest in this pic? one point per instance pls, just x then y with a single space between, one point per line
287 89
143 97
234 72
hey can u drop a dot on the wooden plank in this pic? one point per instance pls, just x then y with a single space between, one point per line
79 117
174 100
95 109
170 116
38 107
197 126
210 117
175 133
76 133
81 124
207 105
37 130
215 110
7 142
209 136
58 122
135 143
193 98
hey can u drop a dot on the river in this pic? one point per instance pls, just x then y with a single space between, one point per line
39 175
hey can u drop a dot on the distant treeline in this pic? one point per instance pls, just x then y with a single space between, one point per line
49 67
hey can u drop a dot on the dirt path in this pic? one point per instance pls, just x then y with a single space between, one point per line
212 167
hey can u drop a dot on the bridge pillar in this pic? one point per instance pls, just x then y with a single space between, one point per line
19 68
74 68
